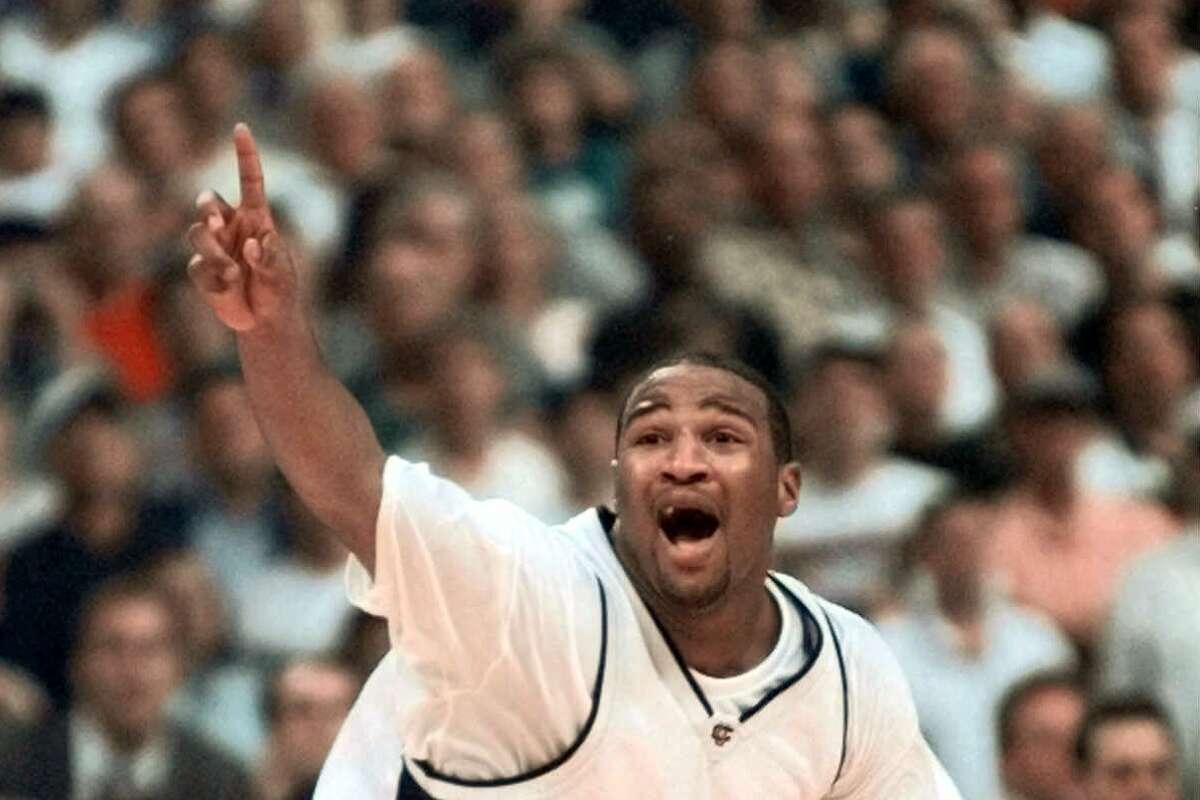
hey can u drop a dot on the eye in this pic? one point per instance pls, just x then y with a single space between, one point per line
724 436
649 438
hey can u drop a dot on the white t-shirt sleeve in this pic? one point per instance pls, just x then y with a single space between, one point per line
498 615
886 755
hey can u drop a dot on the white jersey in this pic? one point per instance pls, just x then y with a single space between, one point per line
541 674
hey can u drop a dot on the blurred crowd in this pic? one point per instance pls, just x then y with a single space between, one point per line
960 236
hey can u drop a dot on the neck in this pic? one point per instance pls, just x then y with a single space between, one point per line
987 263
464 445
243 496
728 638
727 641
1146 417
845 465
556 147
1056 492
961 605
917 429
521 300
124 741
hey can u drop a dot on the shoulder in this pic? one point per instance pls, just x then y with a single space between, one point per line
869 659
866 659
35 760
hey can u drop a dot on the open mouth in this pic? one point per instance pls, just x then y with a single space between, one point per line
687 524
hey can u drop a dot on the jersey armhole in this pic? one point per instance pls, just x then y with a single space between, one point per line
837 649
492 783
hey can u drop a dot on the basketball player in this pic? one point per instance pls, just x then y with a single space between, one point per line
640 652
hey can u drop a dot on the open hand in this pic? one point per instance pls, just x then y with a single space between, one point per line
240 265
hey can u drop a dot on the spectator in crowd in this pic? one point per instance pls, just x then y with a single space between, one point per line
281 46
584 429
916 377
1024 342
65 49
233 524
727 90
1150 373
672 206
1058 547
117 740
419 102
39 310
23 705
1152 642
1127 751
521 269
863 157
473 436
936 88
304 703
577 173
419 266
151 134
838 541
218 695
964 647
792 262
296 604
485 150
608 88
211 72
1117 221
906 265
1155 133
343 137
373 38
998 264
1038 724
1069 145
113 230
28 502
108 526
1060 59
34 182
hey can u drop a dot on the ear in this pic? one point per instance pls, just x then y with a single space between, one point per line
612 465
788 488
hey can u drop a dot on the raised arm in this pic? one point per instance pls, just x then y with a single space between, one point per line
319 434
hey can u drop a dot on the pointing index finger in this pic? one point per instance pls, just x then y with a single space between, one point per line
250 172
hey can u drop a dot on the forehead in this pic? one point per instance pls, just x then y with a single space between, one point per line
1131 738
128 616
690 385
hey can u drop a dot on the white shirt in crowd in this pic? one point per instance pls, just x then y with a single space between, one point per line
958 694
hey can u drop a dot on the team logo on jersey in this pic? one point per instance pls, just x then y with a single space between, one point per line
721 734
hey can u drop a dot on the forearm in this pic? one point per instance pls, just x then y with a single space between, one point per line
320 436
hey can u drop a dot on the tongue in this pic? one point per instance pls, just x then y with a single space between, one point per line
687 523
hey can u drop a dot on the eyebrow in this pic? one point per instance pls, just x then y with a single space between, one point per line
723 404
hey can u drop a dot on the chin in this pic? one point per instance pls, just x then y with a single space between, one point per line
694 596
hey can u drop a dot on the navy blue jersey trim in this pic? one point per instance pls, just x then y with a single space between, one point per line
607 520
409 789
554 764
683 667
837 648
810 631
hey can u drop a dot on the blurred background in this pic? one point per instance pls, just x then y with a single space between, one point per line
960 236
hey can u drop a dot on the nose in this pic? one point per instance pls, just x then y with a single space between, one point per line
686 461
